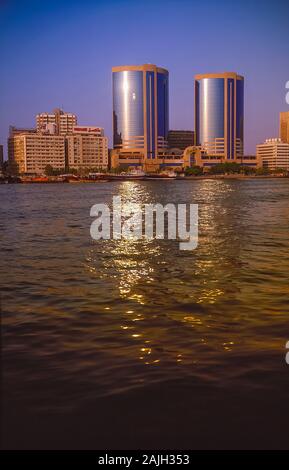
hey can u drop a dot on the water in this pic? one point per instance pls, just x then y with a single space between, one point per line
127 332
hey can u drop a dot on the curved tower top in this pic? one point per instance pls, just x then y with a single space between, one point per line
143 67
233 75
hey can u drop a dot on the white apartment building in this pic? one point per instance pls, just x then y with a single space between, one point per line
31 153
58 122
87 148
272 154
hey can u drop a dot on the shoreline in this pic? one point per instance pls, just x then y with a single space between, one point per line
235 177
152 178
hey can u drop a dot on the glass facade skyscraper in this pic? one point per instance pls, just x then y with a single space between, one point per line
219 114
140 109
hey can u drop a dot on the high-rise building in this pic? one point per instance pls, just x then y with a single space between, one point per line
140 111
87 148
31 153
284 126
58 122
178 139
219 114
272 154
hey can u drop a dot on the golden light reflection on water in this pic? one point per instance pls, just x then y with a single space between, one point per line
210 296
142 273
120 313
136 269
158 285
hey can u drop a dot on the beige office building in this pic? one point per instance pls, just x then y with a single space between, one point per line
31 153
13 130
59 142
58 122
87 148
273 154
284 126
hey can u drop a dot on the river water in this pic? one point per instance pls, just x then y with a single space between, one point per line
134 343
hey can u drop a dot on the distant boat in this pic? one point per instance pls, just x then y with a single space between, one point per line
164 175
131 175
136 174
35 179
88 180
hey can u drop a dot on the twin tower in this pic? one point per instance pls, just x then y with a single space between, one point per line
141 115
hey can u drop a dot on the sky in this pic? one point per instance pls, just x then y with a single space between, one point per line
60 54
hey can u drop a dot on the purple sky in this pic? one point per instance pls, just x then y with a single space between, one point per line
60 54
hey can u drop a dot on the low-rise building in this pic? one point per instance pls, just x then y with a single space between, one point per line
249 161
272 154
31 153
59 142
87 148
13 130
179 139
